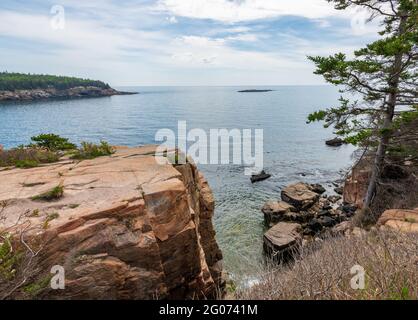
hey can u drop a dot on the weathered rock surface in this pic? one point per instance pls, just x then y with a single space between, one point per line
356 184
282 241
300 195
125 228
52 93
400 220
276 211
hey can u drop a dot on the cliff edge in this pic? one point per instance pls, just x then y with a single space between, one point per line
123 227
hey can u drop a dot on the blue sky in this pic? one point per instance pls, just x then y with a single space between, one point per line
178 42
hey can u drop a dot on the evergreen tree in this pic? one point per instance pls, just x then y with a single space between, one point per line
383 74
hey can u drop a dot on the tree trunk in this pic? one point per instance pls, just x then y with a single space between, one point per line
387 123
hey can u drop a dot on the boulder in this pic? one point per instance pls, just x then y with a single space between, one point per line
276 211
341 228
299 195
336 142
339 190
282 241
317 188
260 177
334 199
125 227
400 220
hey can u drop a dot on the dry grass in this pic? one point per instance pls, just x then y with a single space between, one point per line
322 271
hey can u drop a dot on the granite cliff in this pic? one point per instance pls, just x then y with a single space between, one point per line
123 227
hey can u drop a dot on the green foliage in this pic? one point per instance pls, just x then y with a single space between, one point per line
53 142
384 68
90 150
53 194
360 137
9 259
35 288
20 81
49 218
26 157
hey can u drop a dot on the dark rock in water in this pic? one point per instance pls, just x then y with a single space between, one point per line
339 190
260 177
254 91
336 142
317 188
282 241
394 172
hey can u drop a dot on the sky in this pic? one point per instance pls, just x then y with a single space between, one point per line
178 42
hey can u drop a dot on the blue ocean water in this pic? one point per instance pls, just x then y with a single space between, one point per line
293 150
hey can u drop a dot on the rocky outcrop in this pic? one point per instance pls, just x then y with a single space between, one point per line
302 205
282 241
400 220
52 93
125 226
356 184
300 195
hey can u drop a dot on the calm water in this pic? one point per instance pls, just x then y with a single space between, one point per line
291 147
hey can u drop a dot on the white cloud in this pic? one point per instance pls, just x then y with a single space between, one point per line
246 10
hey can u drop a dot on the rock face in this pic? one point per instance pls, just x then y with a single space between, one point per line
125 227
52 93
299 195
276 211
400 220
356 184
282 241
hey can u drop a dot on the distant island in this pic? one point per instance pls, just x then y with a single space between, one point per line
255 90
28 87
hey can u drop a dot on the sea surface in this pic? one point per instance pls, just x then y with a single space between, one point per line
293 150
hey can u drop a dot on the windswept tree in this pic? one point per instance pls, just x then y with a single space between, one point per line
382 77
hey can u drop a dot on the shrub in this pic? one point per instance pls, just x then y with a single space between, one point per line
26 157
322 271
90 150
53 194
52 142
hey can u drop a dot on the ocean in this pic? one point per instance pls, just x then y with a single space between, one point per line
293 150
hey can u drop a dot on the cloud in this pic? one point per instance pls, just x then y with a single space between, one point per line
231 11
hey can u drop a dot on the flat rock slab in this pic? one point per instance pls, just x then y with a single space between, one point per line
300 195
282 241
276 211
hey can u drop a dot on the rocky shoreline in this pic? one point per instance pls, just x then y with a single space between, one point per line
306 214
53 93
